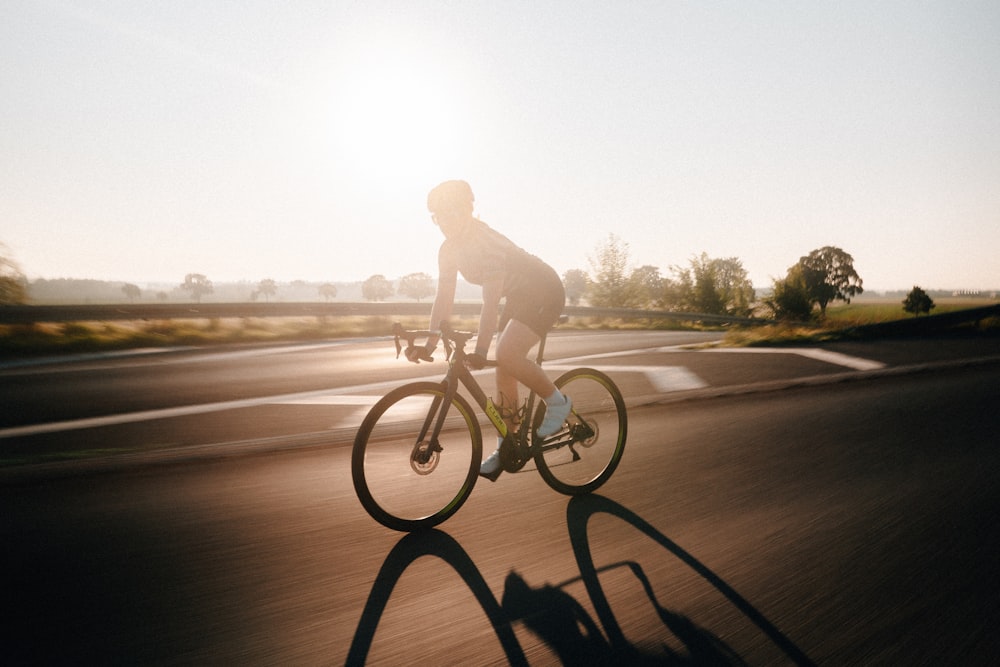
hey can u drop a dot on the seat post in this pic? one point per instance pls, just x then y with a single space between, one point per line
541 350
541 344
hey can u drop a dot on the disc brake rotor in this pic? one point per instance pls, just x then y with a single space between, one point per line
424 458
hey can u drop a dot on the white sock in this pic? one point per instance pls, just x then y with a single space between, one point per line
556 398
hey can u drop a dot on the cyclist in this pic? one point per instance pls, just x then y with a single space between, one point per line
534 300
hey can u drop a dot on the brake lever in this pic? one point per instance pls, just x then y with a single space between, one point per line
445 330
397 329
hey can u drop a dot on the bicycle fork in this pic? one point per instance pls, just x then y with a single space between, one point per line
426 451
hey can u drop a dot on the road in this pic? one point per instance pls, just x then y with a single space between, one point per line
804 521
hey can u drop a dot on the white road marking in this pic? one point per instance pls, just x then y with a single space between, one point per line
836 358
329 399
664 378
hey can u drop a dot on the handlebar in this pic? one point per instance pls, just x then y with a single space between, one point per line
447 335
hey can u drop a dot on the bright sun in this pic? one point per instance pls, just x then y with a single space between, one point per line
395 120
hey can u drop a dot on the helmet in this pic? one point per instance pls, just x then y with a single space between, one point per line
450 194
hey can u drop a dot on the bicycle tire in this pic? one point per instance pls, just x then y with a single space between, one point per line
395 486
582 464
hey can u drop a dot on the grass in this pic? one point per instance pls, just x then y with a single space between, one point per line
842 317
80 337
875 311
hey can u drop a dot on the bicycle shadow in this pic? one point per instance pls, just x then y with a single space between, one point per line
403 554
703 647
555 616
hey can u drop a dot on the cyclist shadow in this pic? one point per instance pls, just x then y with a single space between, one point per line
555 616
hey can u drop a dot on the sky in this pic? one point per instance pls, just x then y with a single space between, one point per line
144 140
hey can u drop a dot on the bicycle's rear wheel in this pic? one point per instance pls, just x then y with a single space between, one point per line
401 480
581 458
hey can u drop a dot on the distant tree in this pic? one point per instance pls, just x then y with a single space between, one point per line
647 285
918 301
610 286
712 286
197 285
328 291
829 275
376 288
575 282
131 292
268 288
13 284
416 286
735 286
161 296
790 298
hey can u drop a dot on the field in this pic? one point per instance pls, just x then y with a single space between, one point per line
79 337
840 318
871 310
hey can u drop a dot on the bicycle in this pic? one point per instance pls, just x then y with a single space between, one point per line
417 453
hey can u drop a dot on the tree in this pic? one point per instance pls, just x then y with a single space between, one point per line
829 275
610 285
268 288
790 299
647 285
712 286
376 288
416 286
131 292
918 301
734 286
198 285
576 283
328 291
13 285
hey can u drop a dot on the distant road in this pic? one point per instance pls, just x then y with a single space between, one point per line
288 395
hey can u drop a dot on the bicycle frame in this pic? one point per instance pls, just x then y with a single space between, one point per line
459 374
407 494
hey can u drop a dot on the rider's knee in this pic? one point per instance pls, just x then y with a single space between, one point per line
509 356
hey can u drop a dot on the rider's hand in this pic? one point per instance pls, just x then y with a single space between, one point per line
418 353
475 361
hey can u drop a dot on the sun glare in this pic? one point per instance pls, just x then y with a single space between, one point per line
395 121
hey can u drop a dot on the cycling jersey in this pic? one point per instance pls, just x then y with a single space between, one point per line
534 293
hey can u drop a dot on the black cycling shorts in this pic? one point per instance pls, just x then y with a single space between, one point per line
539 307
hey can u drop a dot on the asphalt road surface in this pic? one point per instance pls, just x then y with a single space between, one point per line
804 507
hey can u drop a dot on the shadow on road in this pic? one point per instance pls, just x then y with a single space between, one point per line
704 648
409 549
555 616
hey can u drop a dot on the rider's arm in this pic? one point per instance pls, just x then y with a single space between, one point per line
445 298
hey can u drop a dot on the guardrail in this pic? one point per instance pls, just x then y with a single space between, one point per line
168 311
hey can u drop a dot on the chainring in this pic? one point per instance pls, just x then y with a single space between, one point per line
513 456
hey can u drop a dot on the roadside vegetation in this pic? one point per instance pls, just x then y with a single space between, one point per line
819 299
81 337
842 321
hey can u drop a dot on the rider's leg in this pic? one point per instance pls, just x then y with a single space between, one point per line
513 365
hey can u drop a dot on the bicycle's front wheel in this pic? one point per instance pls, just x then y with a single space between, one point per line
583 456
404 479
